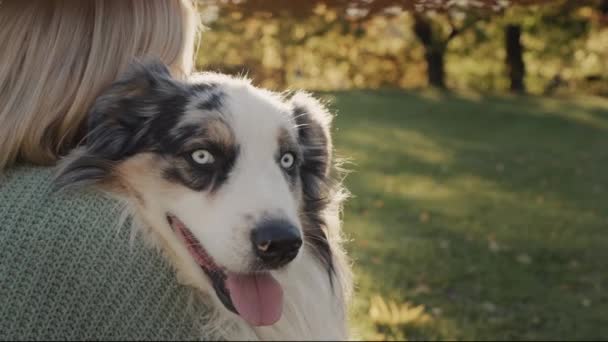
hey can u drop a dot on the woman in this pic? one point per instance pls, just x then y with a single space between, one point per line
67 270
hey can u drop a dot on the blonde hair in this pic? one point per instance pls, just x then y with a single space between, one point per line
58 55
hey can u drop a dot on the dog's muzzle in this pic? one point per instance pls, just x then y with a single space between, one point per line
256 296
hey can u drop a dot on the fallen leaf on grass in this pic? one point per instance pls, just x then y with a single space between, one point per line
524 258
489 307
391 313
493 244
421 289
362 243
424 217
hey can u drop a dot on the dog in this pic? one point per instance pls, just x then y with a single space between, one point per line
236 185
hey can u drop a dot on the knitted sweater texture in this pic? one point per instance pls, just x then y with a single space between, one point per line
69 272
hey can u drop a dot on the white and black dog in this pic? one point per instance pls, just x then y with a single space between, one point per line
236 185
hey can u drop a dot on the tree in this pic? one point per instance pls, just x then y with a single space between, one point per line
514 59
430 18
554 32
434 50
435 43
454 28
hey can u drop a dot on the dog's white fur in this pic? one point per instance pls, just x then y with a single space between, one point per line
314 305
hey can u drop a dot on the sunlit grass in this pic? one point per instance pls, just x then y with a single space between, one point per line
476 218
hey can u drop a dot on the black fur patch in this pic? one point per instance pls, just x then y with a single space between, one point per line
203 177
214 102
316 182
175 142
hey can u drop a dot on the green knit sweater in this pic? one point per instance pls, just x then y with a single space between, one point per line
67 272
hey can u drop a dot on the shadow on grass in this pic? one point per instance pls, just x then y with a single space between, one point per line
491 212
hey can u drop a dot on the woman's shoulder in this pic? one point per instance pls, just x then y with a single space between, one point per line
69 270
31 206
32 209
29 193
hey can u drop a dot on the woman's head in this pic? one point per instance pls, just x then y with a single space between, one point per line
58 55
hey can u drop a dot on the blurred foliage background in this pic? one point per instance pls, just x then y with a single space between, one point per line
477 134
331 45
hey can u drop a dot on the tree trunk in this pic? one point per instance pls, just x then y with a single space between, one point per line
435 71
434 52
514 60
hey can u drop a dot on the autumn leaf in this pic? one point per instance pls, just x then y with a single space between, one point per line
493 244
489 307
392 313
424 217
421 289
524 258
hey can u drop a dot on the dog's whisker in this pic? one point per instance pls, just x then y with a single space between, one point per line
301 125
300 115
311 238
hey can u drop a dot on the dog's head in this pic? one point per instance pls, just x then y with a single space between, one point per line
233 178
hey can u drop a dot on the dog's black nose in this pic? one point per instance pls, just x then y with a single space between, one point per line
276 242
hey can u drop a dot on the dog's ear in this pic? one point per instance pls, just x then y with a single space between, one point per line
313 122
115 126
140 79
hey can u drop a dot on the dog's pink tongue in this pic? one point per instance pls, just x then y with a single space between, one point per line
257 298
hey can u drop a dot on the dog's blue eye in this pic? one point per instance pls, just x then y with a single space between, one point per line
202 157
287 160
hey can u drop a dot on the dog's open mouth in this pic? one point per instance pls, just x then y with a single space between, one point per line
257 297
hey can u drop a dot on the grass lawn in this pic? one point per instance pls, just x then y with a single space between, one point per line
476 218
